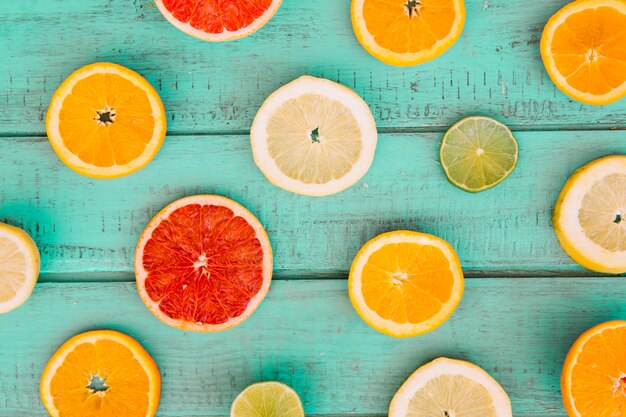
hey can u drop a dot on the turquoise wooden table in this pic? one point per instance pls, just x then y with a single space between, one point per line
525 301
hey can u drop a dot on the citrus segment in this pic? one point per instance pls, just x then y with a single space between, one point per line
407 32
19 267
106 121
103 373
448 387
589 215
582 47
314 137
478 153
405 283
218 20
203 263
593 381
267 399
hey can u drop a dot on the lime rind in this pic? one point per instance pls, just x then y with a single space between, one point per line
478 153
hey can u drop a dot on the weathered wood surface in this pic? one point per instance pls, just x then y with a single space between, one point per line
307 334
85 225
494 69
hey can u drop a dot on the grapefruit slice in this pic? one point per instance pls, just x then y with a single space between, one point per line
204 263
218 20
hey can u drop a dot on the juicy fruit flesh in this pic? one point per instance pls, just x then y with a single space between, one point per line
598 381
127 382
314 139
268 400
602 213
106 120
12 266
407 283
204 264
588 50
409 26
478 154
451 396
217 16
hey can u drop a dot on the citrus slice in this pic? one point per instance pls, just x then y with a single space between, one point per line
203 263
478 153
448 388
405 283
105 121
218 20
590 215
101 373
582 47
407 32
593 381
267 399
314 137
19 267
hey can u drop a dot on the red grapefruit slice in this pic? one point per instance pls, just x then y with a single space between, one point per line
203 263
218 20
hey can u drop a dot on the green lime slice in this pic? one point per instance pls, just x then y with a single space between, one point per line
267 399
478 153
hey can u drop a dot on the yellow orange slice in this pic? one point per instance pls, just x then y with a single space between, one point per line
590 215
593 381
19 267
406 283
450 388
101 373
582 47
407 32
105 121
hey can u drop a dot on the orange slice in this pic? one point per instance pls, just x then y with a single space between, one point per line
101 373
593 382
407 32
406 283
204 263
582 47
105 121
218 20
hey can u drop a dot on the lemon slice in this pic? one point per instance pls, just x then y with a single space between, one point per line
450 388
590 215
314 137
478 153
19 267
267 399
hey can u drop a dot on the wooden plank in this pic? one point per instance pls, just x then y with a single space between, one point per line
494 69
307 335
89 226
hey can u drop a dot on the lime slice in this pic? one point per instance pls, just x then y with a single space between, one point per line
267 399
478 153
